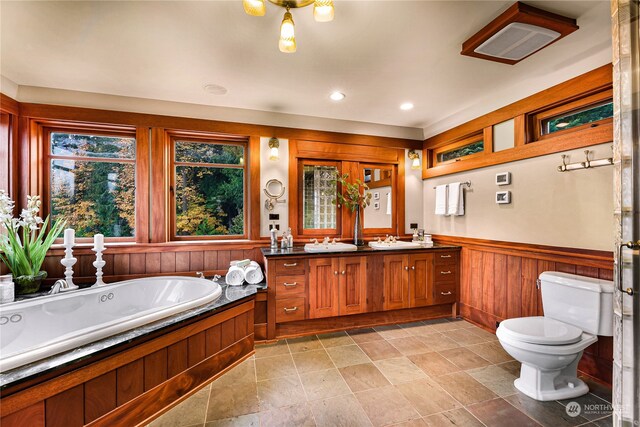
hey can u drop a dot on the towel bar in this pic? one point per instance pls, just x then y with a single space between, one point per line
466 183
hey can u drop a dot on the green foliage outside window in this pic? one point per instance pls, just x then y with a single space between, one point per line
94 196
209 196
467 150
568 121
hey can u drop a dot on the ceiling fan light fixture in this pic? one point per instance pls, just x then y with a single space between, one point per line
323 10
254 7
287 42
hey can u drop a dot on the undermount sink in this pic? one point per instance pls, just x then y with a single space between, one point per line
329 247
397 245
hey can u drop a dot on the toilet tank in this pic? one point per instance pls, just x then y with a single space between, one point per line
581 301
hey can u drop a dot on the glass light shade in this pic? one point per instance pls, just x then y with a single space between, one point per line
415 164
273 153
287 43
323 10
254 7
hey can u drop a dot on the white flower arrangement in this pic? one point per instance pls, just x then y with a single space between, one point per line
24 241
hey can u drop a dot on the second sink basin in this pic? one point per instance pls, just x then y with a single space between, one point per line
397 245
331 247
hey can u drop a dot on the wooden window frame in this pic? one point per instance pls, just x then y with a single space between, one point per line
317 232
46 129
566 96
214 139
535 119
475 137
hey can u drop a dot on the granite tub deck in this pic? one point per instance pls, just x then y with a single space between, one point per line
444 372
66 361
134 377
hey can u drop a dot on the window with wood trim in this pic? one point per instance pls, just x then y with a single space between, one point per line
319 213
208 187
584 113
5 153
470 146
91 180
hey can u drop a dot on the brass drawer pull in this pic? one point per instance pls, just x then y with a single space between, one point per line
406 268
445 293
288 285
445 256
343 272
446 272
290 310
291 265
335 273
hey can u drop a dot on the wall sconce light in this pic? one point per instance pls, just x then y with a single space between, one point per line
415 159
274 144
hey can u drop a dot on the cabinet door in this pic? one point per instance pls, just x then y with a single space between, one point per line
353 285
421 279
323 287
396 282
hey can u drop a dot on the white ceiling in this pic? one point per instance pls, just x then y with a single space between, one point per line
379 53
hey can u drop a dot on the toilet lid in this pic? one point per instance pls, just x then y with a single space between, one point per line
541 330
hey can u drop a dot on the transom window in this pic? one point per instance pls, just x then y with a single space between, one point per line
91 177
580 117
208 189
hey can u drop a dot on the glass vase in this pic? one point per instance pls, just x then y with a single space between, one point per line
357 229
25 285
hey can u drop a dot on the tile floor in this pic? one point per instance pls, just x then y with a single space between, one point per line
433 373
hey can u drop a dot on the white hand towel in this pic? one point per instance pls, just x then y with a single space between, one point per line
455 205
441 199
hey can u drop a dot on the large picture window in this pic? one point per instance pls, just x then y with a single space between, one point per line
91 177
208 189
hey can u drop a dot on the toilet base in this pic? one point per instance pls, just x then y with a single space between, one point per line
547 385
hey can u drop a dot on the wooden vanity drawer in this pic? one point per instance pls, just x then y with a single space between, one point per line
445 293
290 266
445 258
287 286
290 309
445 273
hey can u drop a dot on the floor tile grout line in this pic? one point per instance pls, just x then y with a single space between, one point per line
527 415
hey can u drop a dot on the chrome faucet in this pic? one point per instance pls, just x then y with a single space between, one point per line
60 285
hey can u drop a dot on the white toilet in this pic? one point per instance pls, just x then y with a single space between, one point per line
576 310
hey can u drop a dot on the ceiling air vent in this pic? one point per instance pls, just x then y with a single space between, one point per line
517 33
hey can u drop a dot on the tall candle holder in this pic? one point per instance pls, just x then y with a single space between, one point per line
98 264
68 261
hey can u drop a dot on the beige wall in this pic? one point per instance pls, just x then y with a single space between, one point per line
571 209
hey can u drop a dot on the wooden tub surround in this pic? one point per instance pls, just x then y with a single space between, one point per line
314 293
135 381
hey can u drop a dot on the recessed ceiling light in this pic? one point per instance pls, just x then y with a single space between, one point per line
337 96
406 106
215 89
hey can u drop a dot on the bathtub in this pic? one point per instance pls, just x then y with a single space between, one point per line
34 329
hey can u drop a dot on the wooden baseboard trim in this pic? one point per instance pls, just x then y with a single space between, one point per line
365 320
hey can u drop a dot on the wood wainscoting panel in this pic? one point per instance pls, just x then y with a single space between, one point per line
498 281
138 383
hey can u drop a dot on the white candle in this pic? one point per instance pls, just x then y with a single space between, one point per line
98 241
69 237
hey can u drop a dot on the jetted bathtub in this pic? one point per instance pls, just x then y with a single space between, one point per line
34 329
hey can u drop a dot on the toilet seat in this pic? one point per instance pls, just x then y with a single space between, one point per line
540 330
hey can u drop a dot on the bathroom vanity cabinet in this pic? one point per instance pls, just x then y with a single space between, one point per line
310 293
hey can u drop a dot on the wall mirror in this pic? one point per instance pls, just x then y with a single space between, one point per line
274 190
380 215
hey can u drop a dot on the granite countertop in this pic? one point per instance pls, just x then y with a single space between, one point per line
299 250
230 294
